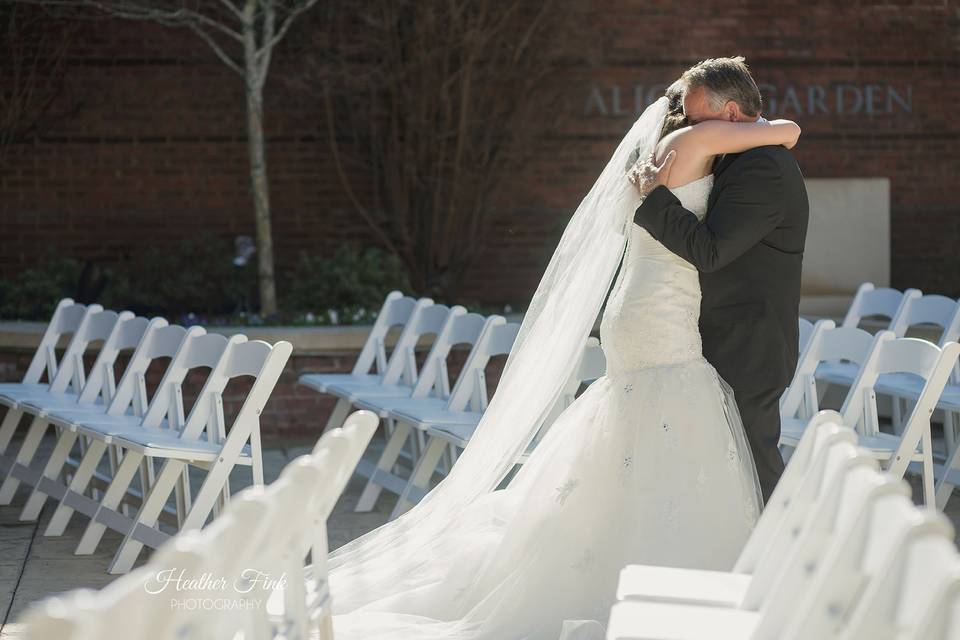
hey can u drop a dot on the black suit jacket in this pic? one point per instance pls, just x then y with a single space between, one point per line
749 251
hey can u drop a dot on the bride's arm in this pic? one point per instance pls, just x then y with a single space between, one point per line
714 137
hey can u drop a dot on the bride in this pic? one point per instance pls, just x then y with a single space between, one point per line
650 465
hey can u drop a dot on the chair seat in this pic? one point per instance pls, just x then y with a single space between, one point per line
94 423
791 430
12 393
883 445
683 586
349 388
843 373
43 405
635 619
380 398
320 381
459 435
163 443
424 412
908 386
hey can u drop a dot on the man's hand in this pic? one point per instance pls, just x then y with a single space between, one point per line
647 176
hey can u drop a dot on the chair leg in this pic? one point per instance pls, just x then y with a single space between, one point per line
896 415
420 478
78 484
31 510
183 495
929 496
9 427
38 426
170 475
111 498
256 454
339 414
949 430
387 459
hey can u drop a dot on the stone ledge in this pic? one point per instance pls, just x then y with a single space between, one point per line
349 339
25 336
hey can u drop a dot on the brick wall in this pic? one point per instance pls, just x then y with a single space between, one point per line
157 148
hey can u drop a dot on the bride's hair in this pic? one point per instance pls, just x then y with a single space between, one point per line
675 119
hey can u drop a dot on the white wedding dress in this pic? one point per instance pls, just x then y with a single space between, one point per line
649 465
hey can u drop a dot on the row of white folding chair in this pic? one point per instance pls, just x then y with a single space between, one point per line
67 316
398 374
905 311
70 387
818 565
874 357
402 387
489 337
148 434
256 551
373 368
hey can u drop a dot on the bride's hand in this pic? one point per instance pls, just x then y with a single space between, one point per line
647 176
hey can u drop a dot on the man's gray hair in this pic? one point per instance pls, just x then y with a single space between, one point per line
725 79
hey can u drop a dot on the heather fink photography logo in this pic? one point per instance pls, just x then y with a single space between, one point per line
206 591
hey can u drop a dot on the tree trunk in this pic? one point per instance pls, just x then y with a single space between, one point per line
253 81
261 202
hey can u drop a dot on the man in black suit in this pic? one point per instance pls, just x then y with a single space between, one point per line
748 250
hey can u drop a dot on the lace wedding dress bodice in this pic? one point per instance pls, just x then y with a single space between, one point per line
651 317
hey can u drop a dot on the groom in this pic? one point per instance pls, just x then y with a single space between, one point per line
748 250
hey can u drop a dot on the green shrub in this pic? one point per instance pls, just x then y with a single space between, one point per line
34 293
196 276
351 284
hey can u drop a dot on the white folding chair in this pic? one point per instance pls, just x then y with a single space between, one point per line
872 302
940 618
304 604
397 311
126 410
203 441
67 319
122 609
828 345
941 312
98 391
432 390
372 361
918 358
432 380
468 400
908 586
165 414
65 388
868 302
856 565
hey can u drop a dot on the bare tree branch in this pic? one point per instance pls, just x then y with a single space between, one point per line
442 99
271 42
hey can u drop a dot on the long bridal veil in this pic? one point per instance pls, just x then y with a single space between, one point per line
384 569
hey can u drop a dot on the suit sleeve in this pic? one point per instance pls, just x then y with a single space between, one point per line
744 212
